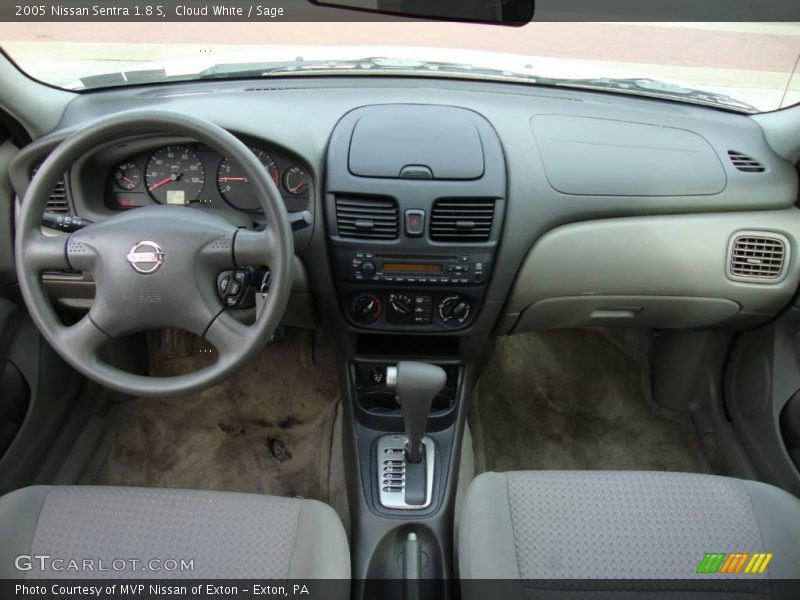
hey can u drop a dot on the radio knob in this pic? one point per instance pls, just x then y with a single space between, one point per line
368 268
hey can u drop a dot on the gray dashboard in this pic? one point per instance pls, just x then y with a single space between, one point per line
616 208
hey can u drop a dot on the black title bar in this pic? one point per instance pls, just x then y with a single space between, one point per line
303 10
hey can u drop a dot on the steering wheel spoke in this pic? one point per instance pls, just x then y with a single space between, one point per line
47 252
225 334
84 338
255 248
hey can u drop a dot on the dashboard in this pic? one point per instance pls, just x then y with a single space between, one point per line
572 208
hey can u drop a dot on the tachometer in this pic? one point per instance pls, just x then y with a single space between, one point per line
174 175
235 187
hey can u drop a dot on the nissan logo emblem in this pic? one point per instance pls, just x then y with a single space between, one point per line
146 257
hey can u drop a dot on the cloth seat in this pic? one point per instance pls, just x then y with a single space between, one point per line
534 525
225 535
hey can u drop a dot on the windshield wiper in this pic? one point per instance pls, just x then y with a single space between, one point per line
370 64
299 66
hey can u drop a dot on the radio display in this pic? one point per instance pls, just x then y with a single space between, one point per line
411 268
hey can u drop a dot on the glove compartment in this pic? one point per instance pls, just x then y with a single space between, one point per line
656 271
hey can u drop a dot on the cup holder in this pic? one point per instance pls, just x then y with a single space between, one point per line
382 402
442 403
379 402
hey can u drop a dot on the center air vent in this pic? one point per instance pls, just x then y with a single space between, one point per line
57 202
745 163
758 257
462 219
367 218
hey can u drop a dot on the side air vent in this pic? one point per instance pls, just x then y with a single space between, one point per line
745 163
462 219
758 257
367 218
57 202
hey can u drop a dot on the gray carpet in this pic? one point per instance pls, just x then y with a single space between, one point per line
577 399
269 429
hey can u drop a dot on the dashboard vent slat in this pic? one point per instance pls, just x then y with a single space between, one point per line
757 258
745 163
57 202
462 220
367 218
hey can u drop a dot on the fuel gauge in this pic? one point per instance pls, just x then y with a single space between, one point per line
127 175
295 181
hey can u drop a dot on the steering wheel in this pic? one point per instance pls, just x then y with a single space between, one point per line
154 267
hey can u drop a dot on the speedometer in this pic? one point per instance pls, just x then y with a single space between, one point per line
174 175
234 186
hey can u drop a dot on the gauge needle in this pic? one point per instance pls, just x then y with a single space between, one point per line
131 181
231 179
296 188
165 181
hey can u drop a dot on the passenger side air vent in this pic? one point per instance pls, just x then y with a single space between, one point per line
758 257
57 202
462 219
745 163
367 218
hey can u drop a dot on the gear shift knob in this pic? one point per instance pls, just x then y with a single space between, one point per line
417 385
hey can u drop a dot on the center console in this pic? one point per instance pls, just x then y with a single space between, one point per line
414 202
414 206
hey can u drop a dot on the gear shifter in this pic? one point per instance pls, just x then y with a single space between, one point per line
406 463
417 385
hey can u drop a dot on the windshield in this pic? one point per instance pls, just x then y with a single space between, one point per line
740 66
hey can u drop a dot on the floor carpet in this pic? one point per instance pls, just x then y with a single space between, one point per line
269 429
577 399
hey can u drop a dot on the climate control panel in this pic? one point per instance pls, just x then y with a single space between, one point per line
400 309
420 292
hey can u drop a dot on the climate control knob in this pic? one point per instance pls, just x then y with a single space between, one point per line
365 308
402 304
455 310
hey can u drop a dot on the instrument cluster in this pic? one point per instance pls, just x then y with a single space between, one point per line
193 173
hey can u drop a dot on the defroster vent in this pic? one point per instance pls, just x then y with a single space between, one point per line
462 219
367 218
758 257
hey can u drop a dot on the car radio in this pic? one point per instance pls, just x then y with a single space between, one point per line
461 269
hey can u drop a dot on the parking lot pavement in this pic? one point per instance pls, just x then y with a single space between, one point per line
751 61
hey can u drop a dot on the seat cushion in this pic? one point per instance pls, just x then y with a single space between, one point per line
608 524
225 535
